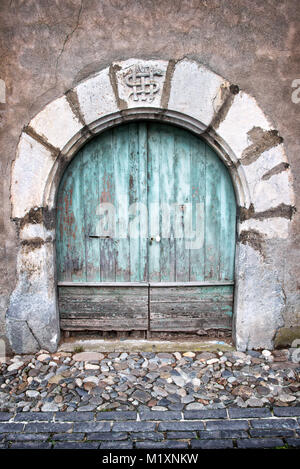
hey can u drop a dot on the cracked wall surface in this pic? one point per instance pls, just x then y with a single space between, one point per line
48 48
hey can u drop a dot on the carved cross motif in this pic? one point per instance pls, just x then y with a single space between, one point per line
142 81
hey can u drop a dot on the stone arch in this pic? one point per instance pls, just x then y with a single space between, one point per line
184 93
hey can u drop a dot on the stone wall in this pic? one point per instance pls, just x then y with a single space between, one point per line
48 47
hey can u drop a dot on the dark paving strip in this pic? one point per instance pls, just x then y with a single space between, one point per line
202 429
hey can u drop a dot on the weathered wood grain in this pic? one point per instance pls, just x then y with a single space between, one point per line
118 308
190 308
164 169
103 325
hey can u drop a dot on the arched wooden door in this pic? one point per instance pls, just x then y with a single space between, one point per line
146 217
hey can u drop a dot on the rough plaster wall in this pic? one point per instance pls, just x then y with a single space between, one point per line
48 46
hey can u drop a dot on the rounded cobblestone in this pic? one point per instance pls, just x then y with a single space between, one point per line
185 381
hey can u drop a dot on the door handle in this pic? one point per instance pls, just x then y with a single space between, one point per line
156 238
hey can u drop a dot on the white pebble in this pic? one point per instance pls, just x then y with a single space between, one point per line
212 361
90 366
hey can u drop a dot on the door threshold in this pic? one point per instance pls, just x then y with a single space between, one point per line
140 345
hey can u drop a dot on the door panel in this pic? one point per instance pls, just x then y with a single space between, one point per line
119 308
188 308
146 203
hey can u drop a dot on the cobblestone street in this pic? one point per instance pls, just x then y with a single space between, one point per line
150 400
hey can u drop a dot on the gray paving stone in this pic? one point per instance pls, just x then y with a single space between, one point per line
116 415
76 445
68 437
107 436
27 436
223 434
275 423
5 416
9 427
91 427
116 445
34 417
133 426
40 427
238 413
170 444
260 443
293 442
181 435
205 414
227 425
286 411
212 444
140 436
31 445
160 415
180 426
269 432
74 416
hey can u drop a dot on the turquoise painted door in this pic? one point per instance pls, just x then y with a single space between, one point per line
146 218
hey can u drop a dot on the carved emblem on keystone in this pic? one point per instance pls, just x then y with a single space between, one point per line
141 79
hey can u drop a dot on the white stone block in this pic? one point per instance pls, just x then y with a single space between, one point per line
271 193
96 97
134 97
270 227
30 231
57 123
243 115
268 193
29 177
195 91
259 301
264 163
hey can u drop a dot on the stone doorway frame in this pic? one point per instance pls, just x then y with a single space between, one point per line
184 93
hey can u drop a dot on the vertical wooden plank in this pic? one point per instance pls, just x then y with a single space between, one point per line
137 189
133 192
90 161
198 169
106 196
122 177
77 239
166 181
182 197
61 227
228 221
154 143
62 215
143 199
212 216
